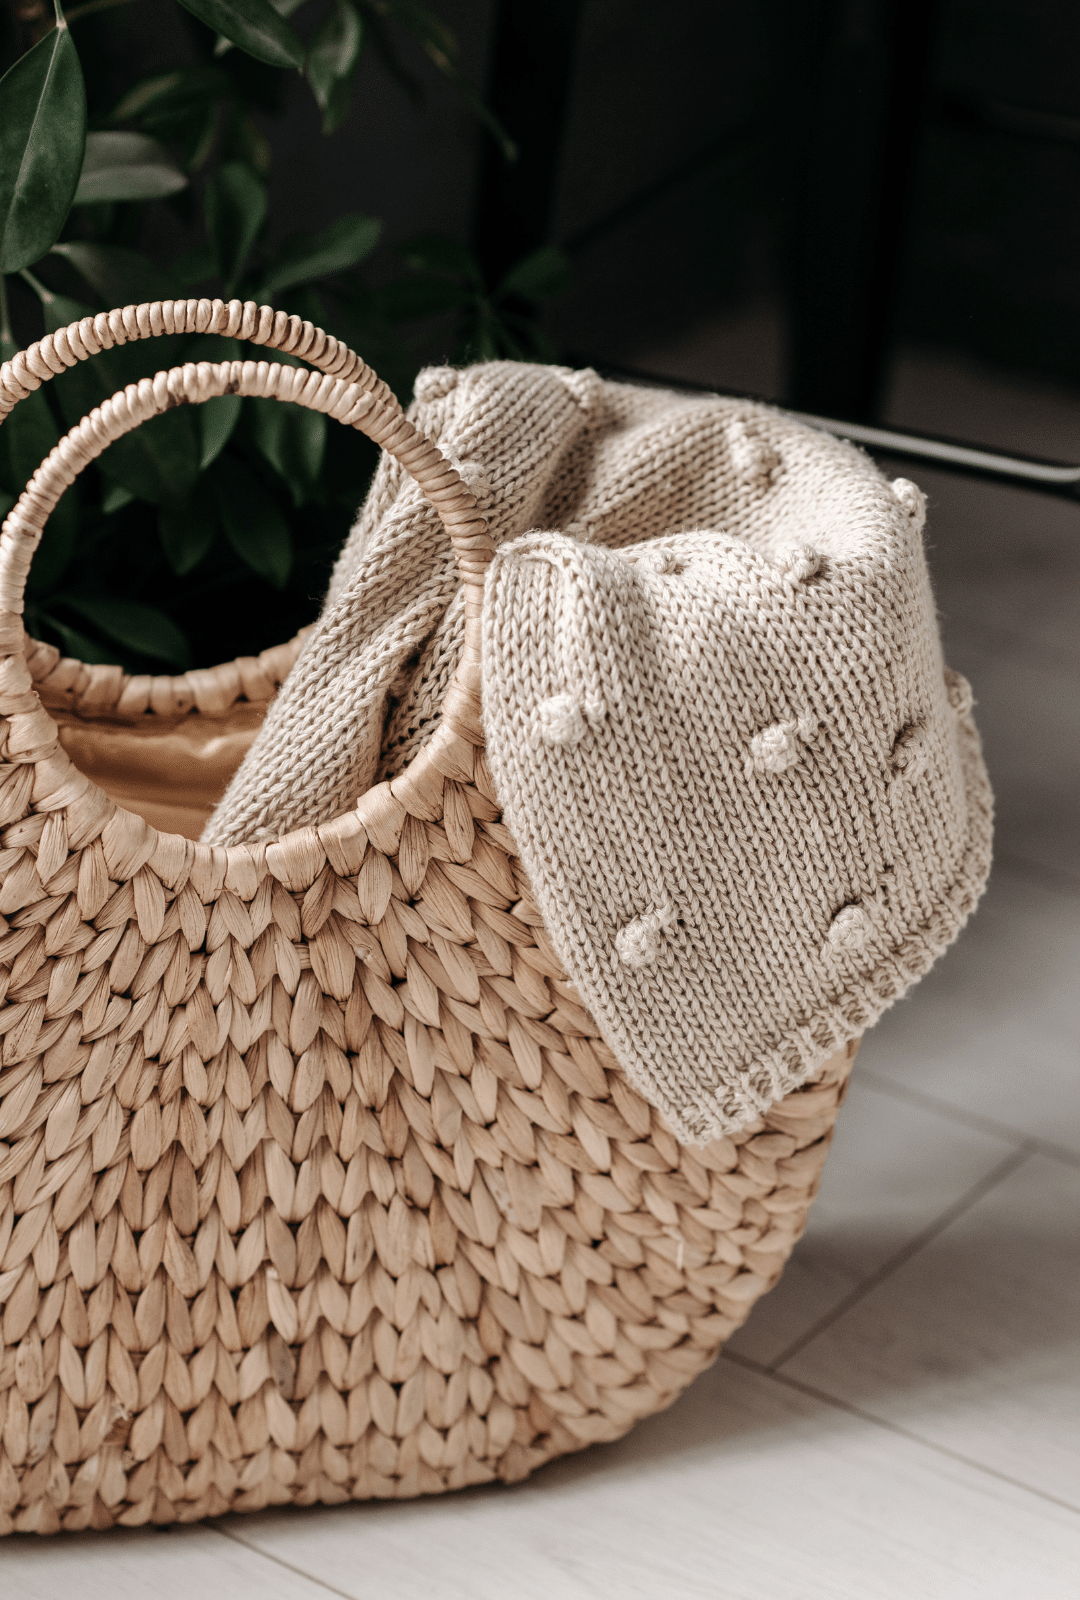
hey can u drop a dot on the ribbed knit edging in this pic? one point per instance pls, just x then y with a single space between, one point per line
703 1115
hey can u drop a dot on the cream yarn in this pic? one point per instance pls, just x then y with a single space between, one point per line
778 821
747 794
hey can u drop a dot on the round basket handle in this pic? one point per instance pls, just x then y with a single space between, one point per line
196 382
360 400
236 319
372 408
346 389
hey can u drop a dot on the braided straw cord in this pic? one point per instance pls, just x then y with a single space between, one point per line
96 690
104 690
246 320
316 1180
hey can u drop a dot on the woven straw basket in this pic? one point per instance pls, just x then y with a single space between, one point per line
316 1180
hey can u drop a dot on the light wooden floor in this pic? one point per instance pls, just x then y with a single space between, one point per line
899 1420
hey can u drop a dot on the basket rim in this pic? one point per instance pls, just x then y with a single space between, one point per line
103 691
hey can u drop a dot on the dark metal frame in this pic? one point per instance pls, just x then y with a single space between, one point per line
861 116
1025 472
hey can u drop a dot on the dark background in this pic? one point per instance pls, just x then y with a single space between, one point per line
785 198
775 197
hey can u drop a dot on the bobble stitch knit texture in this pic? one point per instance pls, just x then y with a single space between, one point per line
666 564
959 692
638 944
911 499
434 382
799 565
559 720
754 458
911 753
777 748
674 677
475 477
849 929
745 762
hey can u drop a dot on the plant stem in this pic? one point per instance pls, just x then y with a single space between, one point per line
88 9
46 296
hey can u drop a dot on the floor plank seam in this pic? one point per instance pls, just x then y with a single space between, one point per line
871 1417
899 1258
289 1566
1031 1142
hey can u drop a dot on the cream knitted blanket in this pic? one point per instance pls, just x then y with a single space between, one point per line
746 791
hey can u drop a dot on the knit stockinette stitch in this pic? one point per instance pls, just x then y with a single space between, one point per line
540 447
747 794
749 798
392 625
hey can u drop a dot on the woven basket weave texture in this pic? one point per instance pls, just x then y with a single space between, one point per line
316 1180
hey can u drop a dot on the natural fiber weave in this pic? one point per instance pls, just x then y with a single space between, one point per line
164 746
316 1181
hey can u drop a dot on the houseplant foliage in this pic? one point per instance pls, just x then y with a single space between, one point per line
210 531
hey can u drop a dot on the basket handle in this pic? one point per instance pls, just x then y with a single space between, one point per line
349 391
238 319
357 398
371 407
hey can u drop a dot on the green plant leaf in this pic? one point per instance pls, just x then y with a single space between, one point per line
284 8
252 520
102 375
115 498
126 166
76 643
255 26
211 347
293 440
198 135
428 29
482 344
181 109
538 276
42 136
332 59
431 252
187 532
132 624
235 212
158 461
336 248
170 93
120 277
28 435
194 266
411 298
26 438
441 48
58 545
217 419
245 141
386 49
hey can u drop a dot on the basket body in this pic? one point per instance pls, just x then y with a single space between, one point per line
316 1180
307 1227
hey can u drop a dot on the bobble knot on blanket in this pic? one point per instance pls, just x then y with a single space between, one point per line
746 790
